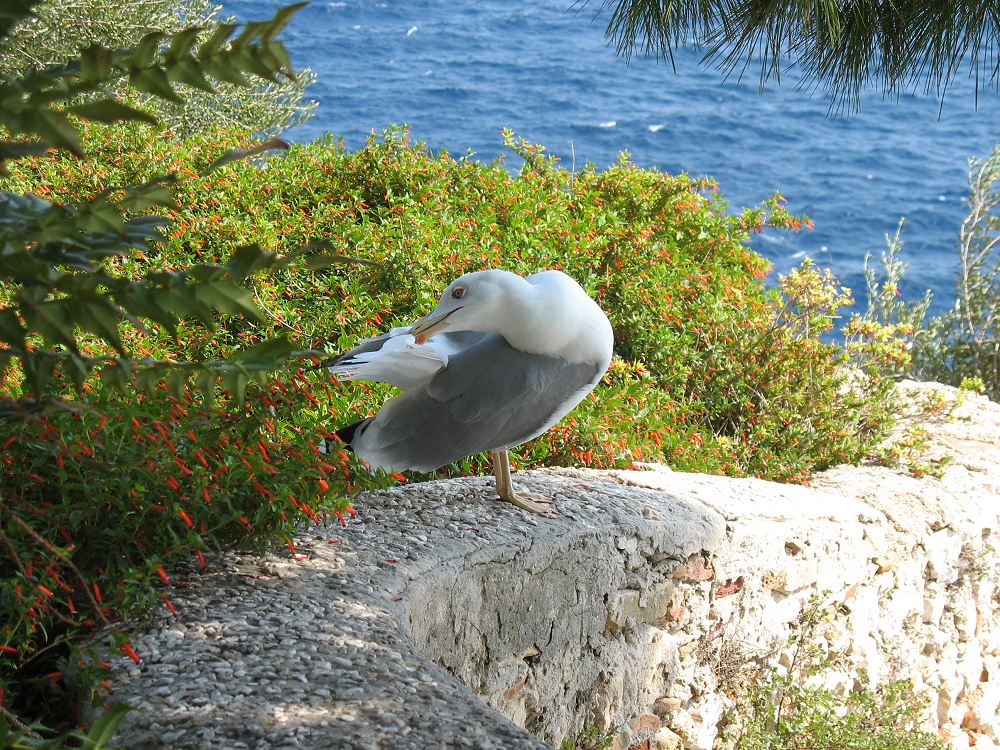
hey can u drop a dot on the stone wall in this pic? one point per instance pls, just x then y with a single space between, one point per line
637 610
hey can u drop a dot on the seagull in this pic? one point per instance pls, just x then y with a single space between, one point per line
500 360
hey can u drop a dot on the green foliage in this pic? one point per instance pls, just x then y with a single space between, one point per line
59 29
974 384
715 371
97 495
96 737
591 738
100 505
885 302
790 709
910 451
845 46
964 341
65 306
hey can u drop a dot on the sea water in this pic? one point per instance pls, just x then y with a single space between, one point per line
458 71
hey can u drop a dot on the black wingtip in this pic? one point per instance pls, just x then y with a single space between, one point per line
347 433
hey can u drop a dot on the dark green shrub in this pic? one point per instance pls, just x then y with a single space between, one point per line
58 29
94 486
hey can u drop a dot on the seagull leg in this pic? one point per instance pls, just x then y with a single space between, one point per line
529 501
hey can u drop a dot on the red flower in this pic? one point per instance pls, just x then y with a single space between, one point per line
130 653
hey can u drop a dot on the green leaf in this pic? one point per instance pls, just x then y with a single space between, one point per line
116 375
147 48
154 81
18 150
226 69
77 368
100 317
251 31
236 383
206 384
267 353
154 193
11 330
176 381
189 72
226 297
182 43
316 262
248 260
50 318
55 128
281 19
13 12
101 216
38 366
96 63
218 39
111 110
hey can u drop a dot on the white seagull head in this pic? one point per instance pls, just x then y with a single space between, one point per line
474 302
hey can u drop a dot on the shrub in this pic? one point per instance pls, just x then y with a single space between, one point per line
99 490
716 371
59 29
792 708
101 505
963 342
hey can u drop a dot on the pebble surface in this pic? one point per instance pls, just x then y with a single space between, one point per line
310 653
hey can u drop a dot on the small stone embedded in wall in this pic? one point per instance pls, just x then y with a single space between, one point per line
729 588
695 568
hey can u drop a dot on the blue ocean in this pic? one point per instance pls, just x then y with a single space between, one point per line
457 72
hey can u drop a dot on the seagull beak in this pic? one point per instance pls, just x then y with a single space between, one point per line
431 324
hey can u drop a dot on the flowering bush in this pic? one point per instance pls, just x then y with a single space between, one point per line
962 343
717 371
714 371
100 505
80 478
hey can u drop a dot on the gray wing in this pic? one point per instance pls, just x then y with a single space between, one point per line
490 396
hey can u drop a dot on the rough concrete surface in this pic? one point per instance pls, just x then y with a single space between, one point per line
442 618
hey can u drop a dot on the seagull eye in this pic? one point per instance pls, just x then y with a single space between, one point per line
458 292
